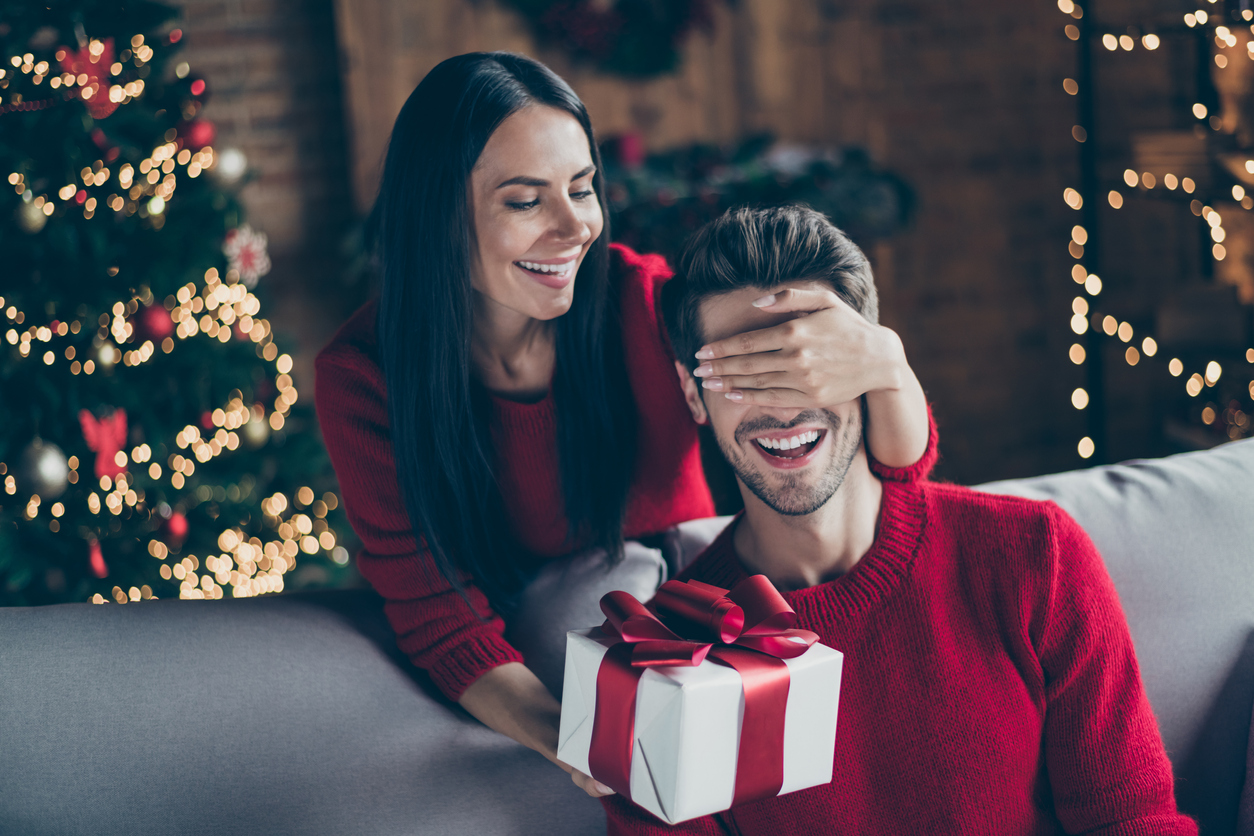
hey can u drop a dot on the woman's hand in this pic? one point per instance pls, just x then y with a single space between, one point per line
828 354
512 700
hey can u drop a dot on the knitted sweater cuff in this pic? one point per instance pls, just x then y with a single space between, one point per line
919 470
456 669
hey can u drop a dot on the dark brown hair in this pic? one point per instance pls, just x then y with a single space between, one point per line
762 248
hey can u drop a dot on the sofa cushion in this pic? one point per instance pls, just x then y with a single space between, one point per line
1177 535
289 714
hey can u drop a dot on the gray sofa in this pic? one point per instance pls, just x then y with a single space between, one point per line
295 714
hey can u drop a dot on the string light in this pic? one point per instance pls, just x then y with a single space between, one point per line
1108 325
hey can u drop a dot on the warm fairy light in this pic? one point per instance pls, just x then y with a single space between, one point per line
1199 110
1093 285
1187 184
1175 367
1131 178
1194 385
1080 306
1076 353
1110 325
1079 399
1150 41
1115 199
1072 198
1086 447
1132 356
1079 323
1125 332
1149 346
1213 371
1110 42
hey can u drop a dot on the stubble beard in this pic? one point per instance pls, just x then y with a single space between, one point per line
789 494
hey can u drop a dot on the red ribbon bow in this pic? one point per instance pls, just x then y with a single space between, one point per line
105 437
748 628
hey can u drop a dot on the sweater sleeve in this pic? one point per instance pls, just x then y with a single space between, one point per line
1105 759
918 471
455 642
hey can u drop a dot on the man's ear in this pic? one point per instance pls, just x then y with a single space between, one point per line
692 394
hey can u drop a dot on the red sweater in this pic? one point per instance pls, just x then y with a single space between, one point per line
990 684
433 624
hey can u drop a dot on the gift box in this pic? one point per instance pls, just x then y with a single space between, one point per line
712 701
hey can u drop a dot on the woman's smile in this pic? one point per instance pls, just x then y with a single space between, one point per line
555 272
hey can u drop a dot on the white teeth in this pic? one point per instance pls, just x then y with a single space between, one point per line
546 268
793 443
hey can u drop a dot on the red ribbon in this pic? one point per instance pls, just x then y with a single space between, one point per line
748 628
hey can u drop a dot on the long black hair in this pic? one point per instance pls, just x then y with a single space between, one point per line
424 232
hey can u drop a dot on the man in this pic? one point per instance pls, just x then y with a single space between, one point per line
990 683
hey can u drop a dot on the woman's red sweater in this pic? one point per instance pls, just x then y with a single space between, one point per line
435 627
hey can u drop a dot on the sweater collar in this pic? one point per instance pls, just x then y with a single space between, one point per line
898 537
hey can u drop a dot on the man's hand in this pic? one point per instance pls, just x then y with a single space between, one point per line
828 355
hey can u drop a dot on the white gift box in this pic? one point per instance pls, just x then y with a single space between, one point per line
687 728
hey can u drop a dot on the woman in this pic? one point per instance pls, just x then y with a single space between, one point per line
483 416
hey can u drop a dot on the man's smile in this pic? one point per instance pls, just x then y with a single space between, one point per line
789 449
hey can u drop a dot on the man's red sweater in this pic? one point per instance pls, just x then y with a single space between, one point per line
433 624
990 685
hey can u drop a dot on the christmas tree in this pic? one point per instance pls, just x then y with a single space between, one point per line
152 443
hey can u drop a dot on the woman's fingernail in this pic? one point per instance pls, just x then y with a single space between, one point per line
704 370
705 354
765 301
601 788
734 396
715 383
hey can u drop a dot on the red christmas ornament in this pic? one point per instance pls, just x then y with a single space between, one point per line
197 133
174 531
155 323
96 559
206 420
105 437
95 93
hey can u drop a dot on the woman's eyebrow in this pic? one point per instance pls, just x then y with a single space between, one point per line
523 180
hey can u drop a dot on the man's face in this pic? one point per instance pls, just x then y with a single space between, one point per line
794 460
